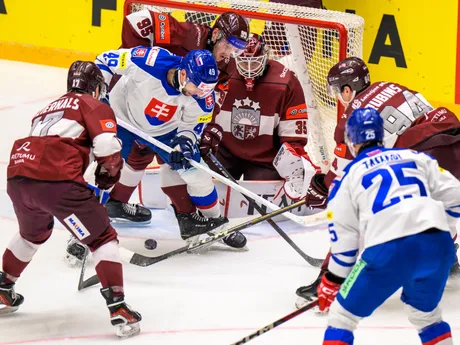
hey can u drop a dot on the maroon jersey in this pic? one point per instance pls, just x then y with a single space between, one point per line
257 122
398 106
148 28
61 138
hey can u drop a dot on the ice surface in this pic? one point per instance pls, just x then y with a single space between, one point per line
215 298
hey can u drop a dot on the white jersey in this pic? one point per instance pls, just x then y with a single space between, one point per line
144 98
386 194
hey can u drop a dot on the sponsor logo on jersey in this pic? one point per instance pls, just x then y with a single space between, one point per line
297 112
340 150
108 126
283 73
158 112
209 101
139 52
205 118
77 227
329 215
24 146
162 28
152 57
123 60
245 119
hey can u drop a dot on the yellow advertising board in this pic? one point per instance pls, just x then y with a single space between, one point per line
410 42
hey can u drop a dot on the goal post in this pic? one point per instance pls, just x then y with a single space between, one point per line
308 41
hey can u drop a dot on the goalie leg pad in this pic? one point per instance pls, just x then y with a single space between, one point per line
295 167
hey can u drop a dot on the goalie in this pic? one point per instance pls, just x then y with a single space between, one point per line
259 127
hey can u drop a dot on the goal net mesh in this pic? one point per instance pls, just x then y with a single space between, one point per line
323 37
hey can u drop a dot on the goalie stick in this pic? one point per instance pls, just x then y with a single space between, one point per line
143 261
312 261
278 322
299 220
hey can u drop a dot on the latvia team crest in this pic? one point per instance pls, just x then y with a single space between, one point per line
245 119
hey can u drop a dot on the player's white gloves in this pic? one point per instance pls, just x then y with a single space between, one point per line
295 167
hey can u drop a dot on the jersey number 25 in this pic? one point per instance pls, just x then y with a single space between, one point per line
386 180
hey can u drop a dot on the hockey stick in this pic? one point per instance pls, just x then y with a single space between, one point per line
312 261
276 323
164 147
93 280
143 261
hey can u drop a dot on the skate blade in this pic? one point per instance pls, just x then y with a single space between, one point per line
129 330
7 309
222 246
127 222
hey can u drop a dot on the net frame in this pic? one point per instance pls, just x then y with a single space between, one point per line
320 149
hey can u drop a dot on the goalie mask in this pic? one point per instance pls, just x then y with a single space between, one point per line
252 62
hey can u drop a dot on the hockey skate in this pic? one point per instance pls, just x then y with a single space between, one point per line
75 252
9 299
193 225
120 212
122 316
307 294
455 269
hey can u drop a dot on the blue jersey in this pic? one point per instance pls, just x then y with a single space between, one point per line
144 98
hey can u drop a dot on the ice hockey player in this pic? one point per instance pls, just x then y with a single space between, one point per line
262 119
435 131
405 207
45 179
226 38
170 98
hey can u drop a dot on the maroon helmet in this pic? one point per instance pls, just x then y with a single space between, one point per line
351 72
252 61
234 28
84 76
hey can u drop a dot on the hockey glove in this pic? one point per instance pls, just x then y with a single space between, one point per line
103 179
327 290
185 149
317 192
210 139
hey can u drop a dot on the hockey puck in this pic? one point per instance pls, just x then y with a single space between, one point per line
150 244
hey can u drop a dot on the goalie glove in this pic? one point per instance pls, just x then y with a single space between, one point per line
317 192
295 167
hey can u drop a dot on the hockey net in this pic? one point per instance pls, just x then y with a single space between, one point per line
306 40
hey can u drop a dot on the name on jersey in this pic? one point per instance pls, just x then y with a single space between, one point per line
65 103
373 161
381 97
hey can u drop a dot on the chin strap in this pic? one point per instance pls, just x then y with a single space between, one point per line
176 81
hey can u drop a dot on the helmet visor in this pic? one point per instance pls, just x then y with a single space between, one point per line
199 91
235 45
333 91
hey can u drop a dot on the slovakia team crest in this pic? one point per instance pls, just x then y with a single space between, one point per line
245 119
158 113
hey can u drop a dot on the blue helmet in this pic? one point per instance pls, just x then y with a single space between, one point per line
362 126
201 69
